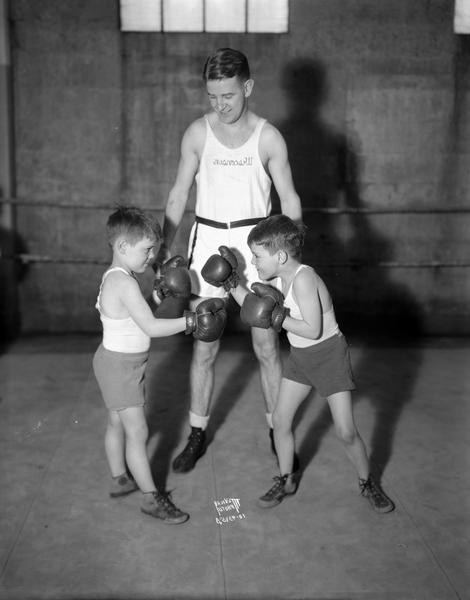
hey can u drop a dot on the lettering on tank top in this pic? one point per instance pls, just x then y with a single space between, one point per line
246 161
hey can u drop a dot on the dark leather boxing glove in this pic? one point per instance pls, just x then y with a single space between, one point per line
264 307
263 290
279 313
220 270
174 280
208 321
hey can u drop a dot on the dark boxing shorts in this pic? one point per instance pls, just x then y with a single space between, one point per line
325 366
121 377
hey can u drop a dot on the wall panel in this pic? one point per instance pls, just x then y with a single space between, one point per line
372 98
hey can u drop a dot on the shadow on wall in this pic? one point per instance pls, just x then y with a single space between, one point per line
12 272
325 169
367 301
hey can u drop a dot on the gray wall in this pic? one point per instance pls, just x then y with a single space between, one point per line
372 97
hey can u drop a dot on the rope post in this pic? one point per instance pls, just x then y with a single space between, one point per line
9 312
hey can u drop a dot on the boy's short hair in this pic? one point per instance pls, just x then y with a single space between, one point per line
226 63
133 224
279 232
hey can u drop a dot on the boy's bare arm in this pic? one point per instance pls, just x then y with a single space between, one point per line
132 298
307 297
239 294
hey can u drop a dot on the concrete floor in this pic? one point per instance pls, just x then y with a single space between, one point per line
62 537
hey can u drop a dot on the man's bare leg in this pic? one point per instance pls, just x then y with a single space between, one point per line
266 348
201 380
201 376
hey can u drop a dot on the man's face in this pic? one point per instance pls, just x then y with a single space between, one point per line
228 97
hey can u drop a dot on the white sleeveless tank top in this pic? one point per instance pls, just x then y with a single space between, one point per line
232 183
121 335
330 326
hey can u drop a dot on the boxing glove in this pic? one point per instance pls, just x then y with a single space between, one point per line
264 307
263 290
220 270
279 311
208 321
174 280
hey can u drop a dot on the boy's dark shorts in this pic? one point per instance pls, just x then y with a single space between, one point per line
121 377
325 366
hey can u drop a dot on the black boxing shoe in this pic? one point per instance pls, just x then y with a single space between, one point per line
194 449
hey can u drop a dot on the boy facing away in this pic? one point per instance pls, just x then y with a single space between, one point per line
120 361
299 302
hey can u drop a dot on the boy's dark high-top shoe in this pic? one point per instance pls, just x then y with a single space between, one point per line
379 501
122 485
160 506
285 486
194 449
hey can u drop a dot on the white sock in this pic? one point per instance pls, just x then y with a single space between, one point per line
198 421
269 419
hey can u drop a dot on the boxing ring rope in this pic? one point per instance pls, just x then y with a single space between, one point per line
26 258
306 209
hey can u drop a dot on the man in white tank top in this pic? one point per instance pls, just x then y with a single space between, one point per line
233 156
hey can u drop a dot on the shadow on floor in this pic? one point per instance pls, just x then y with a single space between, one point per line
168 393
387 387
235 382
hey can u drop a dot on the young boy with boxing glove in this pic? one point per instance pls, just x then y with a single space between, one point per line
299 302
120 361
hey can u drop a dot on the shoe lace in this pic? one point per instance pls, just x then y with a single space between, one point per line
370 487
194 441
166 502
278 486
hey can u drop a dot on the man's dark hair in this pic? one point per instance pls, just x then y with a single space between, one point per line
226 63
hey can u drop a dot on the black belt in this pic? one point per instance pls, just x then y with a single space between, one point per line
220 225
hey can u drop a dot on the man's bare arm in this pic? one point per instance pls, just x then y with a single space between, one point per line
281 174
179 193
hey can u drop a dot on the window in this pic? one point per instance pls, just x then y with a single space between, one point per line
462 16
238 16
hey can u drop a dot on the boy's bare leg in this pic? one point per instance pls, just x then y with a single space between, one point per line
342 412
135 426
114 443
343 418
291 396
153 503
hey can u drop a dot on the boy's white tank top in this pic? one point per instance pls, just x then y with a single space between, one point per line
330 325
121 335
232 183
